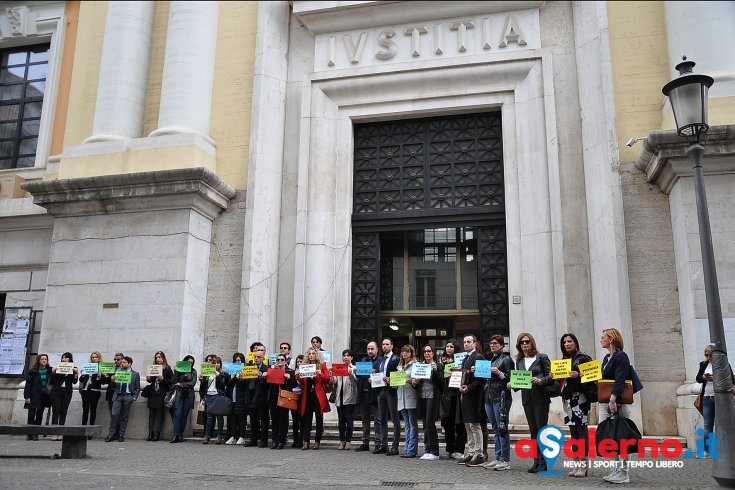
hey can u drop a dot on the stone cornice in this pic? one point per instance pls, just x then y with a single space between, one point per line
663 156
195 188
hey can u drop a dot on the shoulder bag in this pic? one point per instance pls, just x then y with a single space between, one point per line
170 398
604 390
287 399
219 405
700 399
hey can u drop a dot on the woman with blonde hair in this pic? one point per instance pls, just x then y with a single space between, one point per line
408 401
90 387
313 399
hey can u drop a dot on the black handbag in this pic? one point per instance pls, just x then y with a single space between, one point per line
552 390
617 429
219 405
146 392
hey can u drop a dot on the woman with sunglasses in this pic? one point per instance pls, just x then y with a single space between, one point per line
430 391
279 416
535 401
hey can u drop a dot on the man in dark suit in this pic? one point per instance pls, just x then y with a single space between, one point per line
111 390
367 400
122 399
387 401
469 403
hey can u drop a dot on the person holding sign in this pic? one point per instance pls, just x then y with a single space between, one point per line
159 385
258 386
430 390
469 402
183 381
34 393
535 400
127 389
407 401
237 390
313 401
387 401
209 387
367 398
63 377
279 415
90 388
455 436
498 401
345 397
576 398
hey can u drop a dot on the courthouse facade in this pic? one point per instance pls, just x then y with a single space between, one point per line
194 176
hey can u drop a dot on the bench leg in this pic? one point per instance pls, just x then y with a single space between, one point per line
74 447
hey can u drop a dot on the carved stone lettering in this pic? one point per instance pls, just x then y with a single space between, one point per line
461 27
438 39
355 53
332 50
512 33
415 33
384 39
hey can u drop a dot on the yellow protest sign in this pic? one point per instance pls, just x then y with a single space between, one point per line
398 378
560 368
249 372
591 371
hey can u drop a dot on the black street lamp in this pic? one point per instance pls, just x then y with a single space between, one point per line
688 97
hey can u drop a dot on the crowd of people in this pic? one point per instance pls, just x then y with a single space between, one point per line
464 408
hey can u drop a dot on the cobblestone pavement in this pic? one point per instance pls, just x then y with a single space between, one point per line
191 465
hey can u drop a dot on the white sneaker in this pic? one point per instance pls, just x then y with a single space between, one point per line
430 457
502 466
491 464
457 456
231 441
613 474
621 477
425 456
241 441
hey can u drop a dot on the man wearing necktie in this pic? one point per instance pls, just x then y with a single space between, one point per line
387 402
468 405
367 401
122 399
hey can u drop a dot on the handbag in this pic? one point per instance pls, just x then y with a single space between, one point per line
170 398
201 414
700 400
327 385
552 390
219 405
287 399
604 390
146 392
333 397
617 429
445 404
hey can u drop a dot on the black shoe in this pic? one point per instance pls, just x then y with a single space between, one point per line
392 452
274 446
150 436
295 445
379 450
252 443
157 437
534 468
35 438
476 460
408 455
280 445
363 447
465 460
110 439
121 439
176 439
262 445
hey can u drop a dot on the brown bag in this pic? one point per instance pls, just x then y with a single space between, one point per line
287 399
604 390
700 398
327 385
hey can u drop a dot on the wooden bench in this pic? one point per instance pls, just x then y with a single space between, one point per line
74 442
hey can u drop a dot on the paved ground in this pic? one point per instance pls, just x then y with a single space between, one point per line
191 465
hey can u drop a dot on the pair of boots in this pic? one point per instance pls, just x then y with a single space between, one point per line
539 464
580 469
153 436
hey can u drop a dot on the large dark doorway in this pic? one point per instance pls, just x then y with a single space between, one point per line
429 248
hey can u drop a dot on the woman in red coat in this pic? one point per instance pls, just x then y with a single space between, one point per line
313 399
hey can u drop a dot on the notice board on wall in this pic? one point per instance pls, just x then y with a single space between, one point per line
16 330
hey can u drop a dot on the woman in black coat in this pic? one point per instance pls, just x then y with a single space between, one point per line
34 393
535 401
159 385
430 392
279 416
62 387
237 391
183 383
90 387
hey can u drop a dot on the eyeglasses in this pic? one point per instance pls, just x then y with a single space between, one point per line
494 342
525 341
284 347
708 355
280 359
429 351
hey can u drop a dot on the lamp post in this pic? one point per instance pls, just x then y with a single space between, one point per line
688 97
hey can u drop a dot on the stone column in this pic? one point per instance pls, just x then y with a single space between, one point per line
188 69
704 35
126 52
